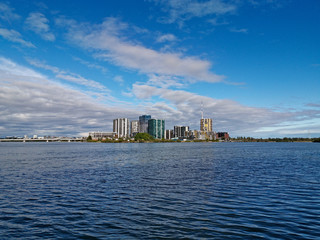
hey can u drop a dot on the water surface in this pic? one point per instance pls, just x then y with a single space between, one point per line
160 191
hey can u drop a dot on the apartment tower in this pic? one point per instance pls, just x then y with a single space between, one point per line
121 127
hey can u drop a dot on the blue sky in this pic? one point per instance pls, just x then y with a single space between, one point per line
70 67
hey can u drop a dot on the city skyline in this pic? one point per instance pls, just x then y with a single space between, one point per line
69 68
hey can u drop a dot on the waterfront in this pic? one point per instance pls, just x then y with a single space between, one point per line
160 190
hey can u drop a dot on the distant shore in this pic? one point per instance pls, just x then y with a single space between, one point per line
241 139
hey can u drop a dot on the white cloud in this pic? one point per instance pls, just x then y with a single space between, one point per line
182 107
71 77
106 39
14 36
38 23
217 22
181 10
7 67
165 81
7 13
91 65
166 38
76 78
118 79
32 104
239 30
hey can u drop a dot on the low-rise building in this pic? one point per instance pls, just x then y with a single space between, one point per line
223 136
102 135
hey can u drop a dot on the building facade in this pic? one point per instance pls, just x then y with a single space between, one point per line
156 128
169 134
134 127
102 135
121 127
180 131
143 123
223 136
206 125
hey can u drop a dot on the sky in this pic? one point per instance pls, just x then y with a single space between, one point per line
70 67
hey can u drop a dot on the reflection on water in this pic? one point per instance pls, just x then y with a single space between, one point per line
160 190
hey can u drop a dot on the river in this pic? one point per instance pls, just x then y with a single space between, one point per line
159 191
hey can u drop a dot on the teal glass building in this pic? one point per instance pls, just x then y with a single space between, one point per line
143 123
156 128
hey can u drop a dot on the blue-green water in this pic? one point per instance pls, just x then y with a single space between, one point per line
160 191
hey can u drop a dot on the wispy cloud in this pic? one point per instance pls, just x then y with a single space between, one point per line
166 38
180 10
109 44
217 22
68 76
38 23
119 79
14 36
165 81
239 30
7 13
91 65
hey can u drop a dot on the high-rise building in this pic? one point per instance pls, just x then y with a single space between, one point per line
180 131
143 123
169 134
121 127
206 125
134 127
156 128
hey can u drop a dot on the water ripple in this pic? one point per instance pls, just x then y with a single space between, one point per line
160 191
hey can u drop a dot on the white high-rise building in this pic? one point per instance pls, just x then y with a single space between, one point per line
121 127
134 127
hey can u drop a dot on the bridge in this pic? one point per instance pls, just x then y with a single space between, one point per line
58 139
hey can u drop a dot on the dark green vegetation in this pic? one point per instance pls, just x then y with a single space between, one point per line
143 137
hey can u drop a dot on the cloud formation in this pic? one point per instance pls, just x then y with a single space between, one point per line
178 106
107 40
14 36
38 23
181 10
7 13
166 38
239 30
32 104
71 77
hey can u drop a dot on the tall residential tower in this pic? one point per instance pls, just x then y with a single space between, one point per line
206 125
156 128
121 127
134 127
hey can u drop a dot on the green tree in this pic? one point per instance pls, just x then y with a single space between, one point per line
143 136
